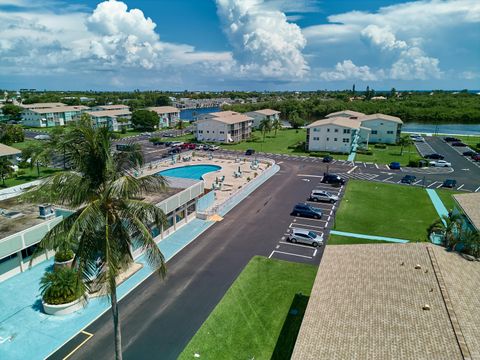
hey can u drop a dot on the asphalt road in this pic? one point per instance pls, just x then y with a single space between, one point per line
159 317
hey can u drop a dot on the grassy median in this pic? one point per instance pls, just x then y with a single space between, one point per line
390 154
389 210
260 314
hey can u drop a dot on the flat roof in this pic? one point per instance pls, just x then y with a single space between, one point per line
470 205
164 109
42 105
112 107
6 150
339 121
59 109
367 303
112 113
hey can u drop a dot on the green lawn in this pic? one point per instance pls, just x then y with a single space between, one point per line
30 175
472 141
390 154
22 145
345 240
447 197
252 321
128 133
389 210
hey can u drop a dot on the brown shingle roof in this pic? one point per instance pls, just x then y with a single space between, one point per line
164 109
59 109
339 121
42 105
267 112
470 205
6 150
348 112
381 117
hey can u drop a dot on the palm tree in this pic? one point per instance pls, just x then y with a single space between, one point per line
471 239
265 126
38 154
5 168
403 142
276 125
451 226
109 219
180 125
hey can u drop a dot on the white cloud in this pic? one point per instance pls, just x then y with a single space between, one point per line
383 37
414 65
347 70
264 42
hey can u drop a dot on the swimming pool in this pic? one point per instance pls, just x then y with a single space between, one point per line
190 171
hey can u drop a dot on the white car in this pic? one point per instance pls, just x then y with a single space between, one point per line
440 163
42 137
213 147
418 139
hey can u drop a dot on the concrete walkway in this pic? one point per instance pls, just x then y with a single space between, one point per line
352 155
369 237
438 204
27 333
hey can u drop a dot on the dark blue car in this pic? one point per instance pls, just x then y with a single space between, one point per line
395 165
306 210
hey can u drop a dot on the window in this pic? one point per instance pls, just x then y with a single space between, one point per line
222 132
316 138
346 140
335 139
316 129
336 130
200 131
28 251
328 139
389 132
346 131
5 259
374 132
328 129
208 131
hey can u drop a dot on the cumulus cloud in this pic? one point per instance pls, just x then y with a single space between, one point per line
383 37
414 65
347 70
264 42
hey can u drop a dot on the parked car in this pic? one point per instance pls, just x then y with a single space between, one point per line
200 147
418 139
449 183
306 210
324 196
249 152
332 179
177 143
192 146
440 163
146 134
450 139
158 142
434 157
469 153
42 137
476 157
174 150
213 147
394 165
459 144
306 237
327 159
168 135
408 179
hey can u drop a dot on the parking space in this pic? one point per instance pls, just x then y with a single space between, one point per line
286 250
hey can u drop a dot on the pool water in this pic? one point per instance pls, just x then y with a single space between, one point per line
190 171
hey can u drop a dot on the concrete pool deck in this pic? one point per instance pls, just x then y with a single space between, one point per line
27 333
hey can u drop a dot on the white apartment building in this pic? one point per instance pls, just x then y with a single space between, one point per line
50 114
110 107
223 127
168 115
385 129
111 118
336 134
260 115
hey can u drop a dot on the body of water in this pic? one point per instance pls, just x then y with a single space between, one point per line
459 129
190 172
191 114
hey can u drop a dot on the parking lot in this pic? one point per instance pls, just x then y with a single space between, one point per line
286 250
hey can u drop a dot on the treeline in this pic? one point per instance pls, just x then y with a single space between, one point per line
462 108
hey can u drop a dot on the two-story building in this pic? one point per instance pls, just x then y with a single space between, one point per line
115 119
385 129
265 114
223 127
9 153
336 134
168 116
50 114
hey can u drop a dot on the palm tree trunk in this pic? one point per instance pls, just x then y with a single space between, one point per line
116 323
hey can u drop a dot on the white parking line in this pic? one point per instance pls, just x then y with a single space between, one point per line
352 169
416 182
476 190
315 253
299 245
319 220
387 178
376 165
286 253
432 184
310 226
364 165
439 185
461 186
314 176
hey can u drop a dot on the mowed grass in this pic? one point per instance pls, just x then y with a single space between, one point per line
252 321
346 240
390 154
30 174
447 197
389 210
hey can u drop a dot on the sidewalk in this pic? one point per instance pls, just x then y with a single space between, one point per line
369 237
27 333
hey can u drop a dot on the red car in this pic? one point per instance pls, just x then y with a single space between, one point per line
192 146
476 157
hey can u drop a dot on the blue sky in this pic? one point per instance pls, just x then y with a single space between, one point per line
239 44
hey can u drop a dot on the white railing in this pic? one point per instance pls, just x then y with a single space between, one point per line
16 190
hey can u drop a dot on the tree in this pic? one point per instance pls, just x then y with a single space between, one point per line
145 119
276 125
295 121
163 100
265 126
404 141
471 240
180 125
353 90
393 93
451 226
109 218
13 111
5 168
10 134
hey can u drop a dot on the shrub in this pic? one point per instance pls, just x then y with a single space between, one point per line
124 130
64 255
154 139
414 163
61 286
20 172
380 146
248 178
364 152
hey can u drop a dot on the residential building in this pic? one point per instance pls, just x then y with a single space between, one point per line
110 107
224 127
468 206
50 114
168 115
260 115
385 129
22 225
10 153
114 119
392 301
336 134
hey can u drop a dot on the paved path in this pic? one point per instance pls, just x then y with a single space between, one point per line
368 237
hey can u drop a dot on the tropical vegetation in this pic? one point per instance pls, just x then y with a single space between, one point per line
61 286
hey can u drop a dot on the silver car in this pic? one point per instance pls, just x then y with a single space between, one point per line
321 195
306 237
